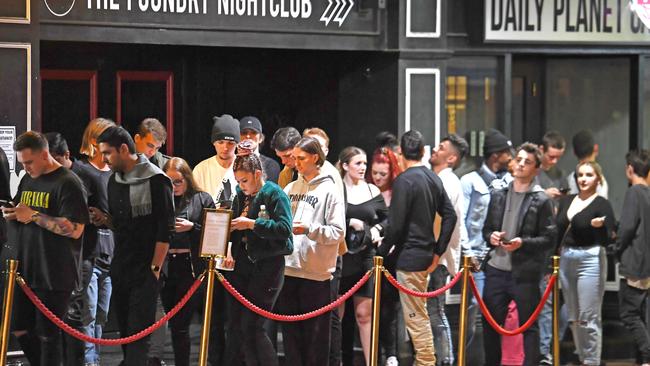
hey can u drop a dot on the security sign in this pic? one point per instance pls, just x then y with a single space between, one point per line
642 9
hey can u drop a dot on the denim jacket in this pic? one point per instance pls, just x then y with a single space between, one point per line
476 194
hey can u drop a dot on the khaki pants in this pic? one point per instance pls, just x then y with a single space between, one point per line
417 318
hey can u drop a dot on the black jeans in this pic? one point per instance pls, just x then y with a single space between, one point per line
336 332
390 307
632 304
42 343
180 278
135 306
306 343
500 289
259 282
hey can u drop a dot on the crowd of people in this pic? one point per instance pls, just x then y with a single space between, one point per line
121 228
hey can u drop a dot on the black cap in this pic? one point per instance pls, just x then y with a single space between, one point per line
225 128
250 122
494 142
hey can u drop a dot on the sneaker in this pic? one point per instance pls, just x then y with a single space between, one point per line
547 359
392 361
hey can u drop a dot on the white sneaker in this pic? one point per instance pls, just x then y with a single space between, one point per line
392 361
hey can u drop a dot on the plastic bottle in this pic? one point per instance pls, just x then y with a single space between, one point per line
263 213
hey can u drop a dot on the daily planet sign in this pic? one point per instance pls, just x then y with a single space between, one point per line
276 15
572 21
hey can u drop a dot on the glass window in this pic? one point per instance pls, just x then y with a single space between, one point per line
472 98
580 95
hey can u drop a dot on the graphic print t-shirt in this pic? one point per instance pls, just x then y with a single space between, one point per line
49 261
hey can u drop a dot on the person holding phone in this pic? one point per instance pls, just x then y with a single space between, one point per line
183 257
261 237
520 228
586 225
318 228
49 220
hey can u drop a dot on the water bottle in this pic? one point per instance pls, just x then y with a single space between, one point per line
263 213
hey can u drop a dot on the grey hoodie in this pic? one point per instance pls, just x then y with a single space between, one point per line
318 204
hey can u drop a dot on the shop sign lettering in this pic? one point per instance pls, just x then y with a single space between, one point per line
325 12
588 21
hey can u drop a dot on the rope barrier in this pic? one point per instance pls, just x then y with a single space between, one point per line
101 341
292 318
529 322
435 293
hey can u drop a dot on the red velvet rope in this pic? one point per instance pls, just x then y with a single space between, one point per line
101 341
435 293
529 322
293 318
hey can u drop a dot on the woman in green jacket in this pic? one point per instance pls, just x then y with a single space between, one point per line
261 237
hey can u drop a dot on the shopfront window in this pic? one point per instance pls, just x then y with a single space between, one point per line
472 98
592 93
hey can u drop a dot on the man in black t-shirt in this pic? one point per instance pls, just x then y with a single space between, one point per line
141 210
50 217
418 194
78 311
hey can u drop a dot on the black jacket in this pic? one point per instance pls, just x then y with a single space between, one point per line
633 246
536 228
191 208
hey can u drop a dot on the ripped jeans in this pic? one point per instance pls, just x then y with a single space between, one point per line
42 342
582 273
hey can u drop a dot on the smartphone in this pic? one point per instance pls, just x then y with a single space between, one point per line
8 204
506 241
564 190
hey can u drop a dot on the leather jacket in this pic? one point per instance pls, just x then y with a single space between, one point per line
536 228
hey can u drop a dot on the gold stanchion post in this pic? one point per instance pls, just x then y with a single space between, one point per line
462 333
556 311
207 312
10 279
376 307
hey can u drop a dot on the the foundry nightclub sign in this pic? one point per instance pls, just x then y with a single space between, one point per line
557 21
255 15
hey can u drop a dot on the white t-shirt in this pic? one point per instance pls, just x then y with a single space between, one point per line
210 176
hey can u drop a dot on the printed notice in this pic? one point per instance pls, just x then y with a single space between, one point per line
7 139
215 233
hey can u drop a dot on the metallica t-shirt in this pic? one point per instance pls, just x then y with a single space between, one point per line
49 261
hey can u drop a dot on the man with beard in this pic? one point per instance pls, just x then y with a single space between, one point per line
141 210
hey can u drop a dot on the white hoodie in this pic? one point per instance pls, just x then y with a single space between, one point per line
318 204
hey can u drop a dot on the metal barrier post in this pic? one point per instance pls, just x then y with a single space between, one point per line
10 279
207 312
376 307
462 333
556 311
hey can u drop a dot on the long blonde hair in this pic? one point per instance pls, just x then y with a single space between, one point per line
92 132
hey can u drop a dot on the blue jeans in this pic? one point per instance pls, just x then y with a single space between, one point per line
545 320
583 272
439 323
99 296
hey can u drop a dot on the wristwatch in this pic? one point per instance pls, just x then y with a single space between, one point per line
34 216
155 268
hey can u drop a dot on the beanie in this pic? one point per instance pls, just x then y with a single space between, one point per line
495 141
225 128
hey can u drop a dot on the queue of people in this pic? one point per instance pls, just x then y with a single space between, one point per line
122 226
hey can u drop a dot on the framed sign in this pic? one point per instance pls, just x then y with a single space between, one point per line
215 233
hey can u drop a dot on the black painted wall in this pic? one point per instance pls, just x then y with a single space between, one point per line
351 95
